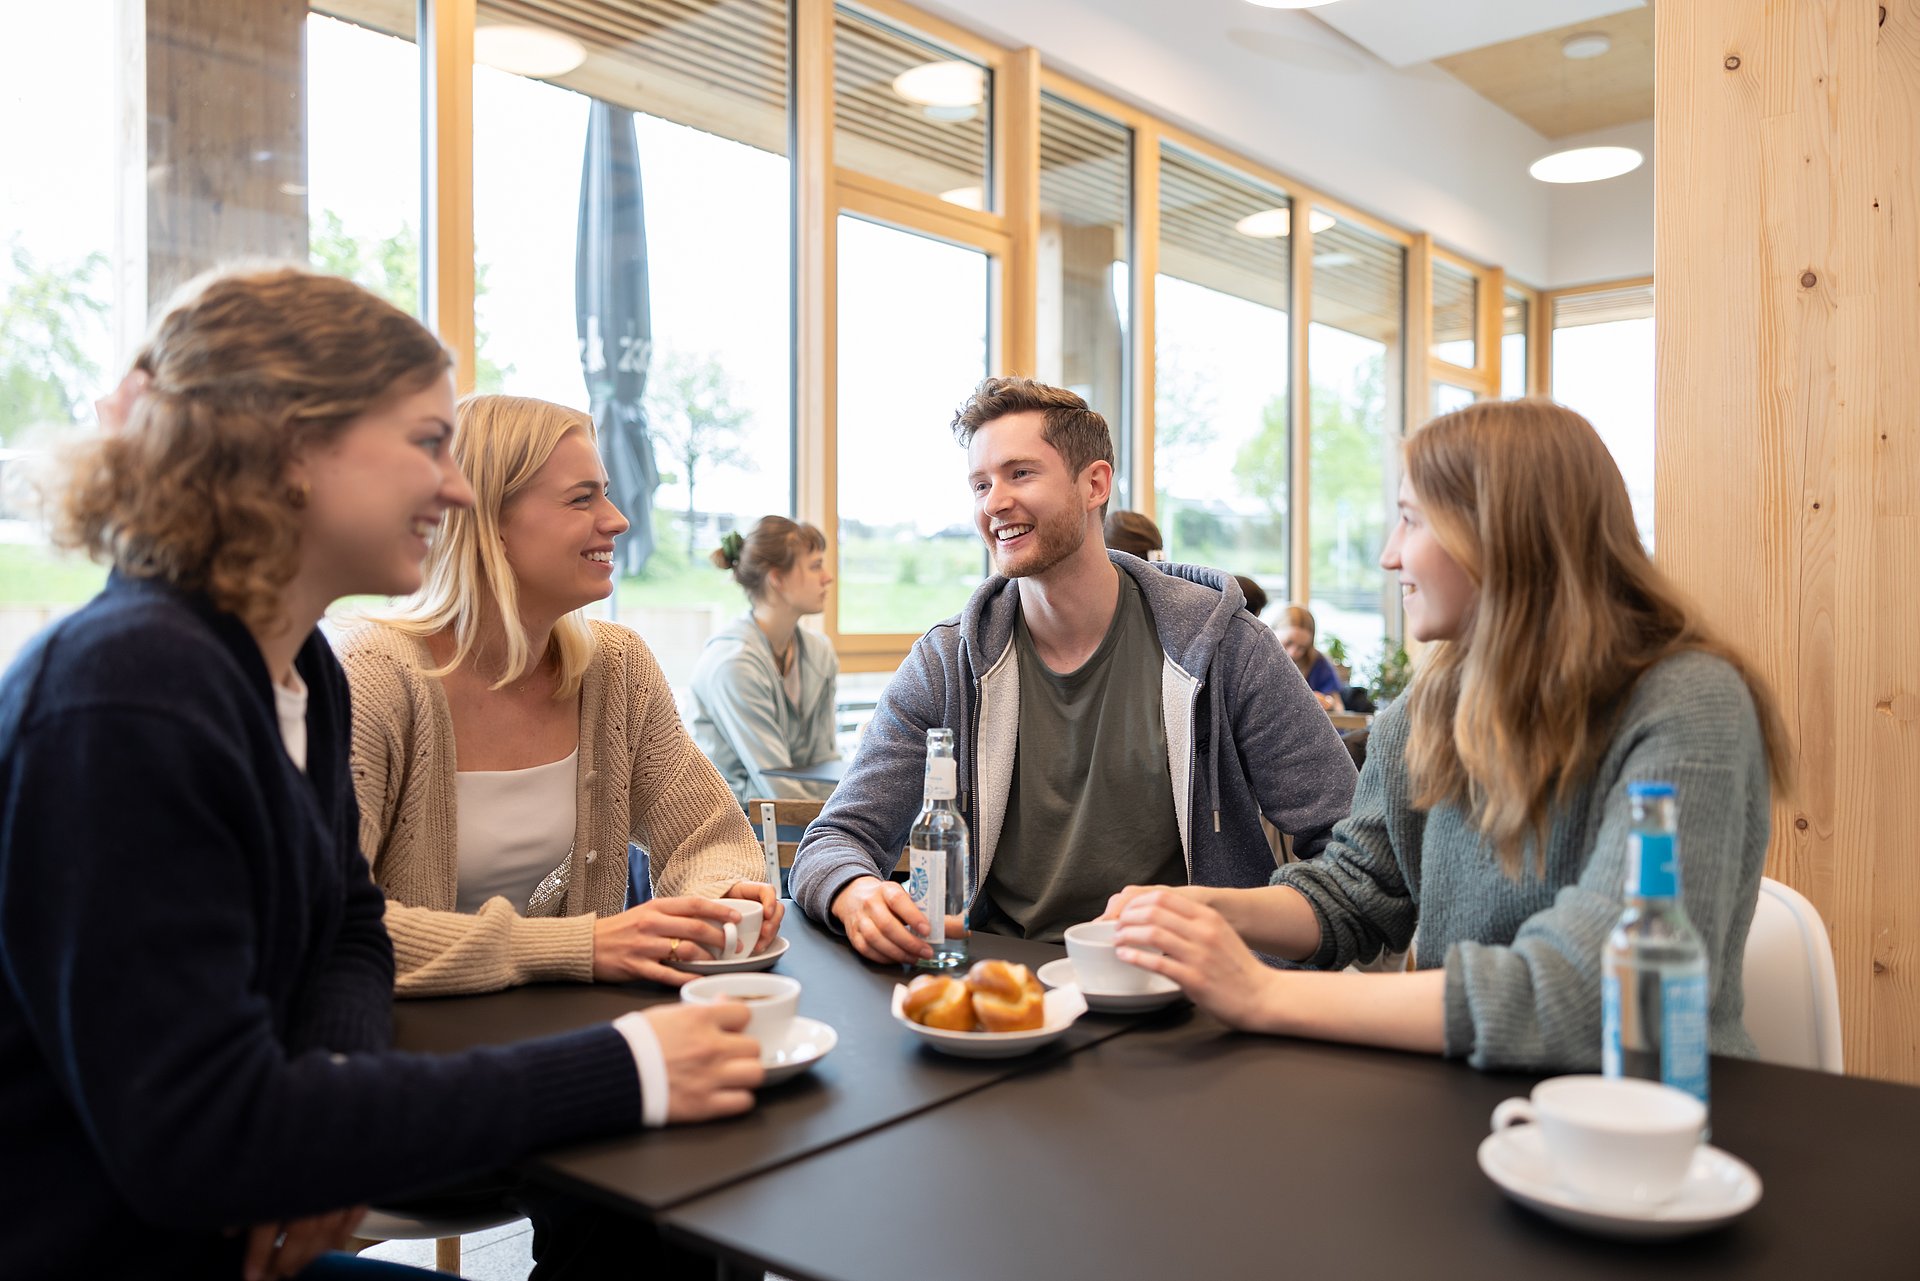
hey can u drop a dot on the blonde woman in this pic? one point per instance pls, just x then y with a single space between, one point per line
763 689
1492 812
506 748
195 1029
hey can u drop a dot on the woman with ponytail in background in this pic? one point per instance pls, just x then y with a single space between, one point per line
764 688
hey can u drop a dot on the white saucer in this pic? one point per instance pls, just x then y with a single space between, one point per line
808 1041
1718 1189
746 964
1162 991
1063 1006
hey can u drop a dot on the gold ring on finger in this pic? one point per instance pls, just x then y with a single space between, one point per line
673 953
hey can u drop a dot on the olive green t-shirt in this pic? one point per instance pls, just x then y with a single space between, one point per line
1091 806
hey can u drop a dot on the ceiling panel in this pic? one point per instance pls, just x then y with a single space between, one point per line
1403 32
1557 95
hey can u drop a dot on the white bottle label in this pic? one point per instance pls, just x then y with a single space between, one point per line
927 886
942 779
1683 1033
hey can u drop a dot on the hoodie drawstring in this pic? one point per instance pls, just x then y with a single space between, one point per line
1213 738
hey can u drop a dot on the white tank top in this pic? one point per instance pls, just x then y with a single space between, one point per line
515 826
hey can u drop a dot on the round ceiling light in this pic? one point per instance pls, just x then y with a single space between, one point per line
1588 44
527 51
1586 164
965 197
1271 224
943 85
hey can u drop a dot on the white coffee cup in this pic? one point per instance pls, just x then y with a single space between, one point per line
1098 970
741 937
1616 1140
771 1000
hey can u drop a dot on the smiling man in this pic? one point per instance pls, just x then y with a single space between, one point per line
1116 723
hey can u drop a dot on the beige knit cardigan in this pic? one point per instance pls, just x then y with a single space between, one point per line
640 778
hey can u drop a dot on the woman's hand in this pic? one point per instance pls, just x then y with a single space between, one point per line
276 1250
1198 950
639 942
1118 903
768 896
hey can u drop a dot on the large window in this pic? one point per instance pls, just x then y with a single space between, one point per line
658 244
1456 315
1083 301
1222 461
1355 358
909 554
1603 367
1516 319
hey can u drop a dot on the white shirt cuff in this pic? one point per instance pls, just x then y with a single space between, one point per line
651 1064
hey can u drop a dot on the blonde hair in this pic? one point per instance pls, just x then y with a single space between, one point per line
1301 617
248 367
500 443
773 545
1510 721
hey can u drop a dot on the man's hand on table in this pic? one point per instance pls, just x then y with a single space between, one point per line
882 923
713 1066
276 1250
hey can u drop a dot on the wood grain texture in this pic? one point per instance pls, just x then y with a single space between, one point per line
1788 262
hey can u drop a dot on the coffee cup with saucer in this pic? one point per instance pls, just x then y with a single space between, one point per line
1619 1157
1110 984
1061 973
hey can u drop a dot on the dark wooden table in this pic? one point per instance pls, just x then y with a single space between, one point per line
879 1074
1184 1150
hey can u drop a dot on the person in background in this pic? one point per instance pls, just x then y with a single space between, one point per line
1134 534
506 748
764 688
196 1059
1256 595
1493 812
1112 719
1296 631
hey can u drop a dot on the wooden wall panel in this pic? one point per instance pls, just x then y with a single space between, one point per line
226 136
1788 261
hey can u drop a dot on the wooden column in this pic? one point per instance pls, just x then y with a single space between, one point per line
226 136
1788 436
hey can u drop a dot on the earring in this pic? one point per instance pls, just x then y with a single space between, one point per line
298 494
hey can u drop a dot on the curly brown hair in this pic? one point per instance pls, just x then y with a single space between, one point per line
1076 432
247 368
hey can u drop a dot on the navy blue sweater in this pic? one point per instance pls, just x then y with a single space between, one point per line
196 1017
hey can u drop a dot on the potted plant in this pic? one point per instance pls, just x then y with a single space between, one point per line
1391 675
1336 652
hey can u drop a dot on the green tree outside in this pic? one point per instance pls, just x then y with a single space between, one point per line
694 422
50 318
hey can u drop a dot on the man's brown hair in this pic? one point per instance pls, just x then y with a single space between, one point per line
1078 434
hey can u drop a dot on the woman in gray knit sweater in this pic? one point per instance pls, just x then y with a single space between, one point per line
1560 667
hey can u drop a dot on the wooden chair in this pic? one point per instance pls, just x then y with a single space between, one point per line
781 837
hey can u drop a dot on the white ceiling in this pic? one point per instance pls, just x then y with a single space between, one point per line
1403 32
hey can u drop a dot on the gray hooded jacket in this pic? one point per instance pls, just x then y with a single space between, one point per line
1245 738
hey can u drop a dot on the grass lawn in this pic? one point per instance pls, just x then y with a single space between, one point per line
35 574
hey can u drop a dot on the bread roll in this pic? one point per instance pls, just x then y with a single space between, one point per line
1006 997
938 1001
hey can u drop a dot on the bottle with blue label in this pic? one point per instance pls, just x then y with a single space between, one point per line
1653 985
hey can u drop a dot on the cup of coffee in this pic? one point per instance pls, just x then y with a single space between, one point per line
1091 945
1618 1140
741 937
771 1000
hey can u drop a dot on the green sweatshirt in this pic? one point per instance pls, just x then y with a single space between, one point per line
1522 958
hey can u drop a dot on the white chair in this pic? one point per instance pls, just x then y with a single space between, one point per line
445 1233
1792 996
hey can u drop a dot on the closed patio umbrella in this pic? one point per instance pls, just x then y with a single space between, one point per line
616 332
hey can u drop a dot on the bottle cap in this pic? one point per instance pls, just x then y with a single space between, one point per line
1648 791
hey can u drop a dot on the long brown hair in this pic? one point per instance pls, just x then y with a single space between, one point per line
1509 721
247 367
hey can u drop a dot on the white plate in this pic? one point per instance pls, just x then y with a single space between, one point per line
746 964
1718 1189
1162 991
808 1041
1063 1006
